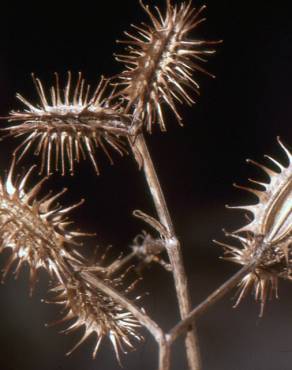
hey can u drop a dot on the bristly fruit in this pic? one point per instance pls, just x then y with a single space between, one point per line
269 232
95 311
160 61
36 231
69 124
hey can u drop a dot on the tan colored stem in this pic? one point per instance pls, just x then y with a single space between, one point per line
164 346
219 293
164 354
143 318
173 247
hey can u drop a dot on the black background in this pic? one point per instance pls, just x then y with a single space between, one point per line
238 115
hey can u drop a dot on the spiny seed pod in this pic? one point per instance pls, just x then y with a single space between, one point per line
96 311
160 60
69 124
34 230
269 233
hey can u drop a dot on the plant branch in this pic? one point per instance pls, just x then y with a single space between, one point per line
120 263
164 345
143 158
143 318
164 354
214 297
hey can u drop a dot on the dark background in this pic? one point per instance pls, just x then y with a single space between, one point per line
238 115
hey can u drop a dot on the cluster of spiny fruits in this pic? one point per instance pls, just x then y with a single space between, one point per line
70 122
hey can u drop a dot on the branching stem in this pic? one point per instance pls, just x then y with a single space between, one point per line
172 246
214 297
165 341
164 354
143 318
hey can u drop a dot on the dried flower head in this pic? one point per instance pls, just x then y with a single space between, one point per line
149 250
36 231
96 311
160 61
268 235
69 124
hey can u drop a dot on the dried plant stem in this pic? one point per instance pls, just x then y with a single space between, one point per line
143 318
140 147
164 354
165 341
214 297
119 264
172 247
164 345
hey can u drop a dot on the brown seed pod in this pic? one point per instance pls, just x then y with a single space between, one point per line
160 61
269 232
96 311
69 124
37 234
36 231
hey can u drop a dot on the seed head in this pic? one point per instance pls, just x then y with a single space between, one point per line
35 230
269 232
69 124
95 311
160 61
